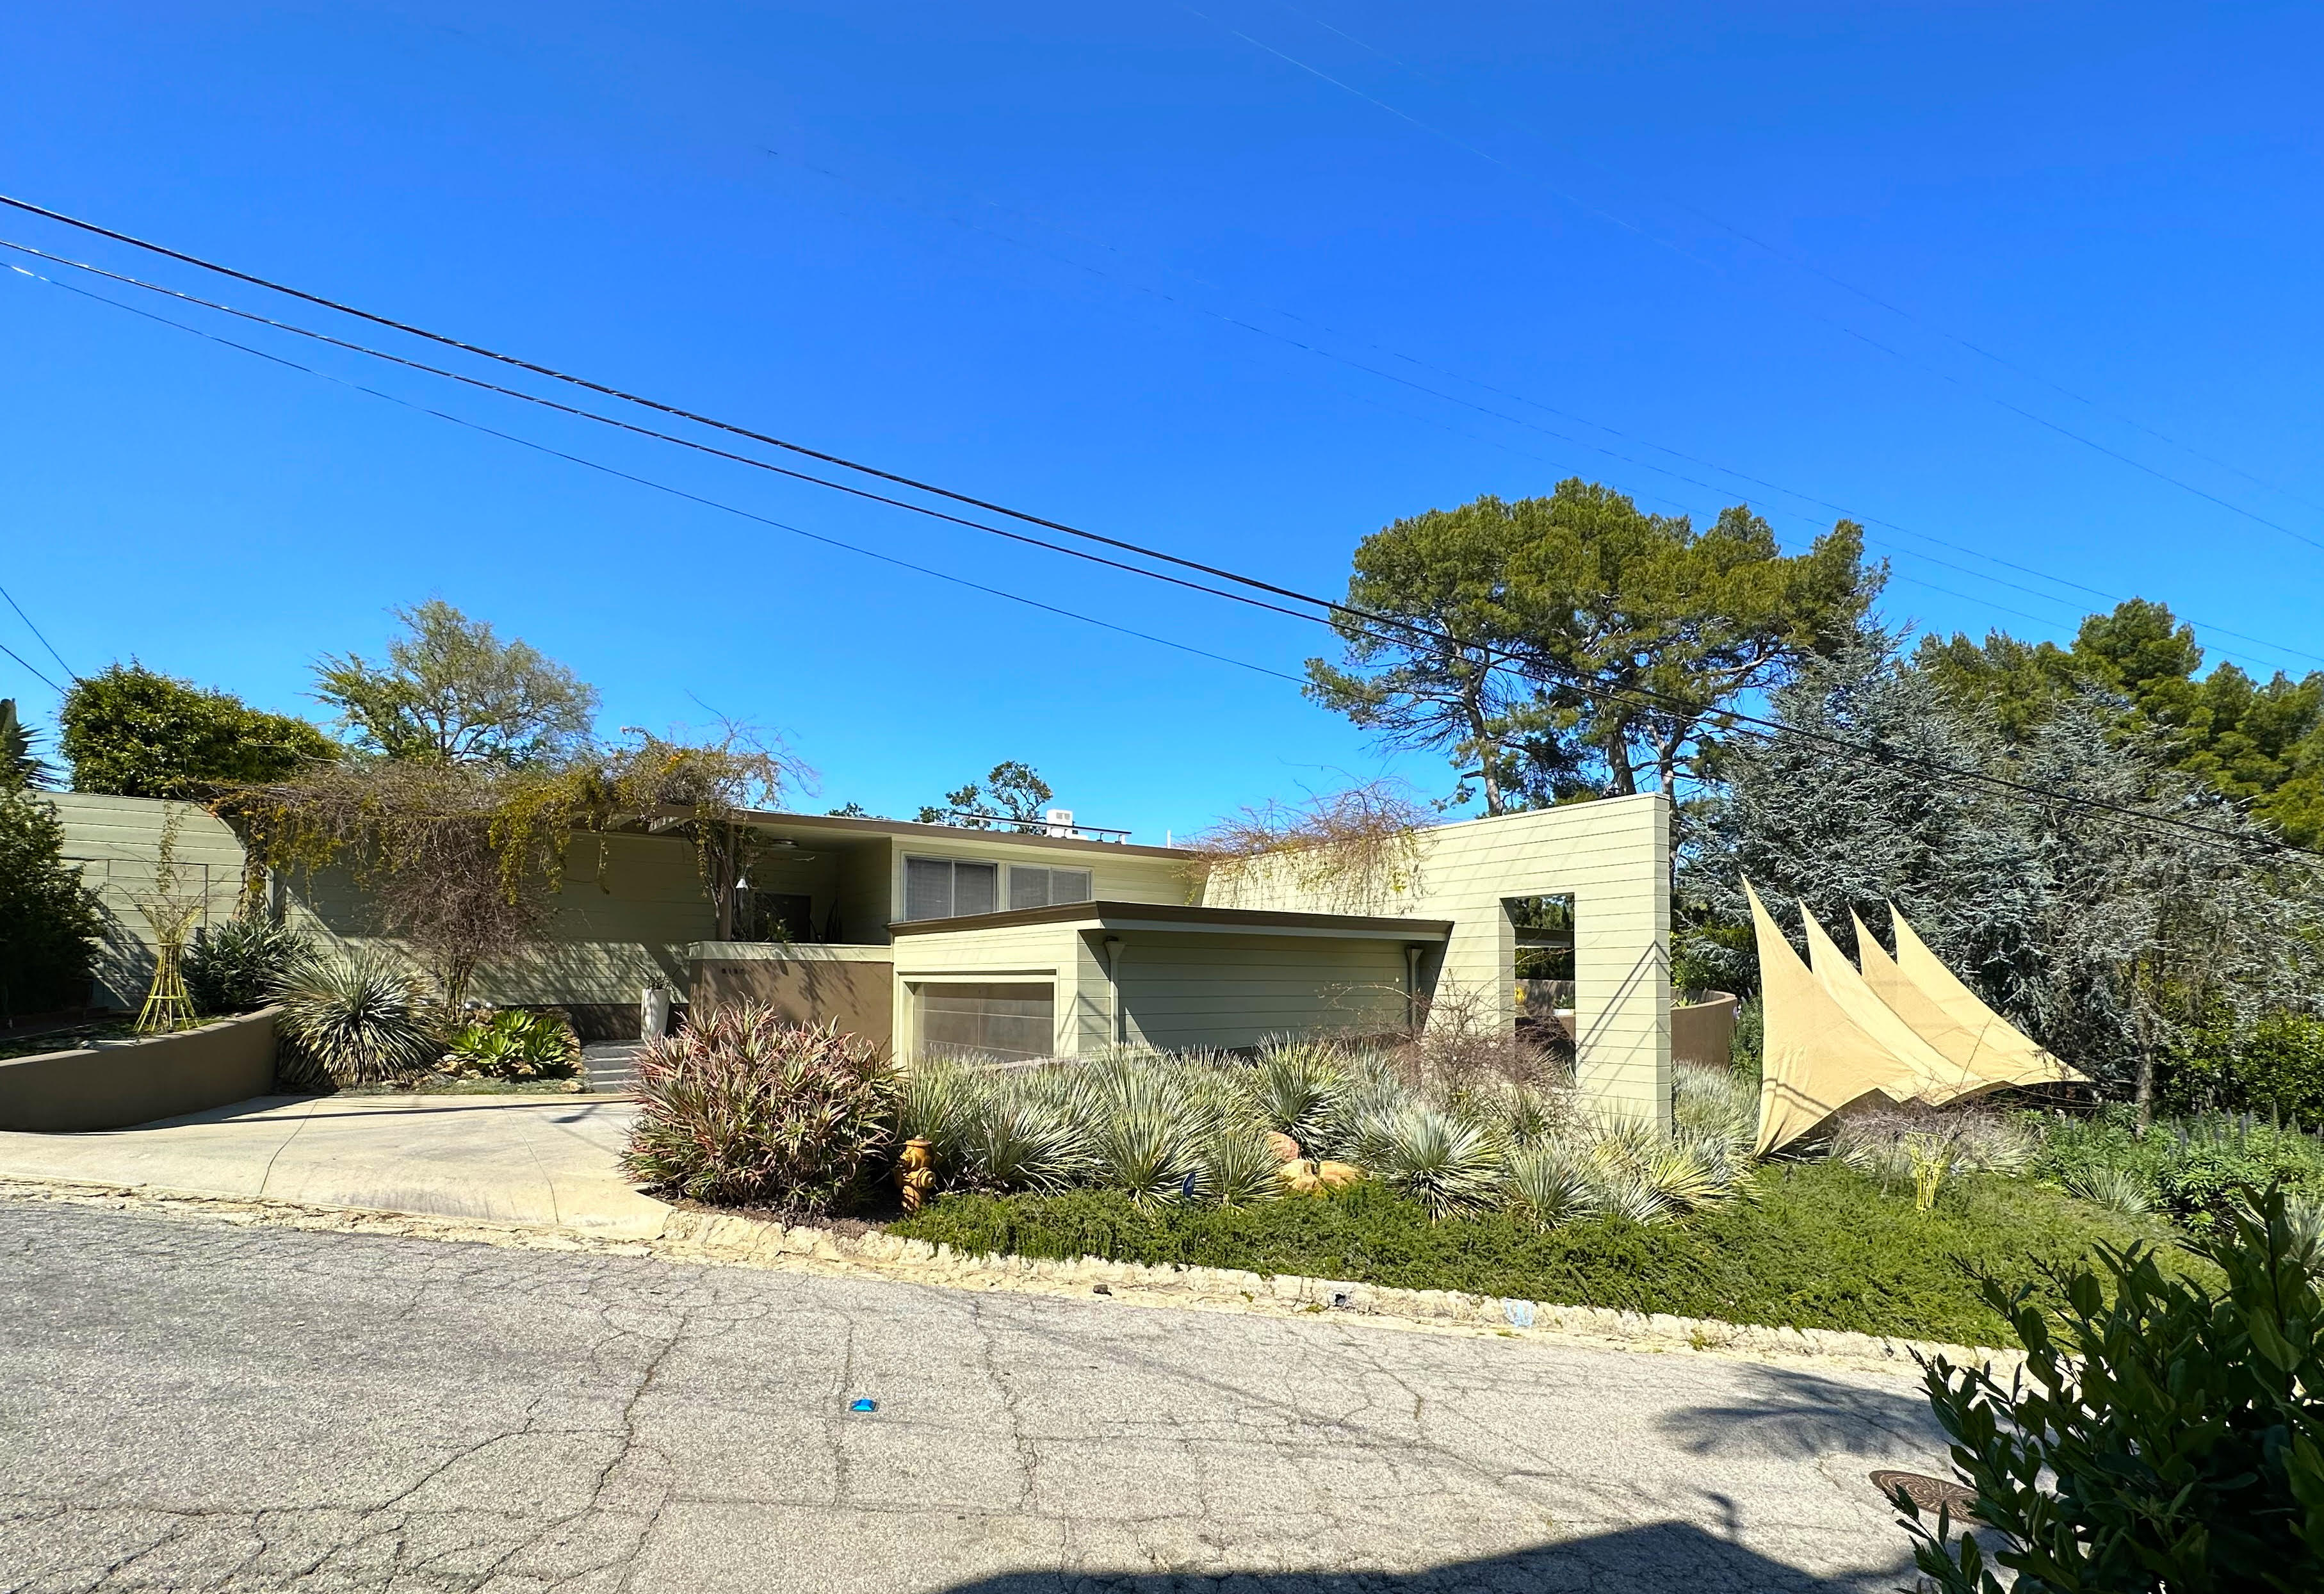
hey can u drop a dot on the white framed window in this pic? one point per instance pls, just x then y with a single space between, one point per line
948 888
1032 886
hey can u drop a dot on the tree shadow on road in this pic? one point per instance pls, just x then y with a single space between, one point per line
1657 1557
1794 1416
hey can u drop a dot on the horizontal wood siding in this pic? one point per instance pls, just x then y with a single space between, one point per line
1053 954
115 842
1613 856
1238 990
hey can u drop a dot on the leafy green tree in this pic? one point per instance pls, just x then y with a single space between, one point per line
132 732
2260 745
450 691
48 920
1014 788
1632 633
2113 941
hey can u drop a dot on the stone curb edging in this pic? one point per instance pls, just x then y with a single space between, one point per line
732 1239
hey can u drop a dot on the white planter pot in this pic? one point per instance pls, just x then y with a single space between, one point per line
654 1013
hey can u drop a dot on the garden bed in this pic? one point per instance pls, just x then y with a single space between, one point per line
1816 1245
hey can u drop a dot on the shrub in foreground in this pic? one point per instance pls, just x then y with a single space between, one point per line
2165 1435
358 1018
239 965
743 1109
1815 1245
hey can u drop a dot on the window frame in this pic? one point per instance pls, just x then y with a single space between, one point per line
953 862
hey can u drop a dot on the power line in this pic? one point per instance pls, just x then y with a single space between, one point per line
1861 336
1332 612
679 492
1801 263
35 629
27 663
1711 464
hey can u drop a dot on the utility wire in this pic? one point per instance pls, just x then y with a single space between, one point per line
35 629
1842 326
1801 262
27 663
588 464
1342 617
1326 353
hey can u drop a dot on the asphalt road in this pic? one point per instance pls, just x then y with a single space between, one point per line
189 1405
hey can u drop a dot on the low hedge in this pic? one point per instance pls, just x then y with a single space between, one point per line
1816 1245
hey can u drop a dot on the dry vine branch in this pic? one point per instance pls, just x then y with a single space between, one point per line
460 860
1348 852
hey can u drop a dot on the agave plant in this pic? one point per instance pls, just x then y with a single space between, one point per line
515 1043
358 1018
1014 1136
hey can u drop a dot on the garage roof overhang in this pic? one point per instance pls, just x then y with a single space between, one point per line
1176 918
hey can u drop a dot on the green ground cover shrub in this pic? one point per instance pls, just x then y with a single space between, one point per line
741 1108
2190 1168
1817 1245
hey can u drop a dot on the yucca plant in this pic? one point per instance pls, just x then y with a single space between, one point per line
2118 1190
1236 1169
1548 1188
357 1018
1015 1133
1296 1086
743 1108
1447 1163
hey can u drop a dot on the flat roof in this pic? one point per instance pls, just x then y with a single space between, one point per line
843 825
1179 917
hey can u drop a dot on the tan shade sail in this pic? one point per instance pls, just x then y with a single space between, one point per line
1915 1069
1814 1058
2003 1054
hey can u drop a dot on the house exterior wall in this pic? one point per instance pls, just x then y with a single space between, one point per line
1051 954
853 987
1612 855
1116 875
116 843
1225 990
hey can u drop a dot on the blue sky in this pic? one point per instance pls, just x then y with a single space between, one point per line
1242 279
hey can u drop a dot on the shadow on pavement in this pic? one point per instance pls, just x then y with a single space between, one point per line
1797 1416
1654 1558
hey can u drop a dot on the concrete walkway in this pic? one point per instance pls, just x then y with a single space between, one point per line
509 1159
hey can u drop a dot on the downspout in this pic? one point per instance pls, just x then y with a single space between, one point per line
1113 984
1412 988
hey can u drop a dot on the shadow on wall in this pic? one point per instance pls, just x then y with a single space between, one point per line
1655 1558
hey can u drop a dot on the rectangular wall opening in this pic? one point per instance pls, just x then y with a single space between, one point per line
1542 968
969 1021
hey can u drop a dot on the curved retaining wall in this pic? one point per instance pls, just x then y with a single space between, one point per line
117 1083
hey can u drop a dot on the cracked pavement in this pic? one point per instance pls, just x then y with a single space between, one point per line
193 1405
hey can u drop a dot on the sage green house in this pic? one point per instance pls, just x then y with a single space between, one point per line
1045 940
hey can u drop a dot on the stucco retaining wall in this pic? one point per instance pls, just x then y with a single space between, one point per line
116 1084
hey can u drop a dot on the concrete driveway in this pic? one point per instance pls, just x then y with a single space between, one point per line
194 1407
510 1159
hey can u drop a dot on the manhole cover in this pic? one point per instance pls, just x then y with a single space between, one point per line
1930 1493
